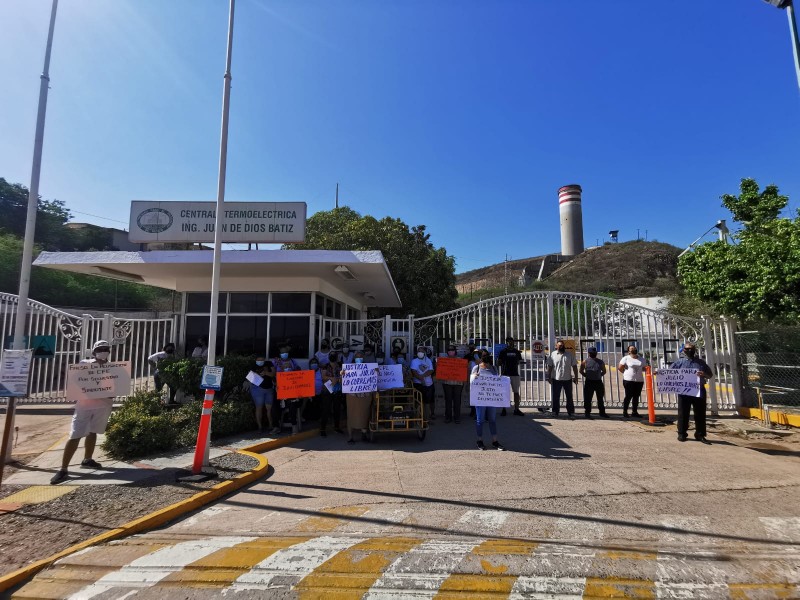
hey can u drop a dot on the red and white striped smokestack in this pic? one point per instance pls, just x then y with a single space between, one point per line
569 210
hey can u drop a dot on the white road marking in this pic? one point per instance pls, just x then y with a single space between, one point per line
480 522
420 572
387 516
288 566
202 516
785 529
672 523
148 570
545 588
578 529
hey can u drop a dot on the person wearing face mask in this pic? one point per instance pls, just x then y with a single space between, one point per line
345 355
687 403
358 406
90 418
262 394
593 369
632 369
452 394
508 361
486 413
322 354
422 377
282 364
331 395
167 351
474 360
559 364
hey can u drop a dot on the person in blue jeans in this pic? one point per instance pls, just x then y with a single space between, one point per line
485 413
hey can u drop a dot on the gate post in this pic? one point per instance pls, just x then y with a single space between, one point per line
387 337
86 343
412 349
108 328
711 359
736 371
551 322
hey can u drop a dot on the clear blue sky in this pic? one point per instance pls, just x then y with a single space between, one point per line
461 115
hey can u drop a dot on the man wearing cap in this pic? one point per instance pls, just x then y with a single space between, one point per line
686 403
592 369
508 361
422 376
90 418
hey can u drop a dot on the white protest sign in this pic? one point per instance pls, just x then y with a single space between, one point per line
86 381
359 378
14 372
390 377
490 390
685 382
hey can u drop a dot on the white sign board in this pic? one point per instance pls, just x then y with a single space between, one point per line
685 382
86 381
211 378
360 378
490 390
14 372
390 377
268 222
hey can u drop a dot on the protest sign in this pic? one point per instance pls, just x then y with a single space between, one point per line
360 378
451 369
685 382
490 390
87 381
390 377
14 372
295 384
254 378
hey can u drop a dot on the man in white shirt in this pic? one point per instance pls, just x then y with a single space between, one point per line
422 377
559 365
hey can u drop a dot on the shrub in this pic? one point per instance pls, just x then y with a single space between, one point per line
185 374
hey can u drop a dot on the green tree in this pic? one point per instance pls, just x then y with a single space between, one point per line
424 275
51 216
757 278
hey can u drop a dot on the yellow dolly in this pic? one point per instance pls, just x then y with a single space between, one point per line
399 409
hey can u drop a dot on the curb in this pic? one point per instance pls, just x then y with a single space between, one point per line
776 416
164 515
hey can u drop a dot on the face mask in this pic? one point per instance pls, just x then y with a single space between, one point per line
451 353
476 356
314 367
401 361
260 363
102 355
284 355
420 355
359 361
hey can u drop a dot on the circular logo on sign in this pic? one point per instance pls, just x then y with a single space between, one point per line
154 220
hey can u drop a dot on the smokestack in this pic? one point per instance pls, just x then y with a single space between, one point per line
569 209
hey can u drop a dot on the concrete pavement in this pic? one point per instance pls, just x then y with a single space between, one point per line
573 509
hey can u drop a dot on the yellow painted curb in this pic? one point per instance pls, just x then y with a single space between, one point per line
146 522
775 416
280 442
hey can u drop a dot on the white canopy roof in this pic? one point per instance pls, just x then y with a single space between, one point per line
360 278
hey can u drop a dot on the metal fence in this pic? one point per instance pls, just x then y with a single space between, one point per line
73 335
770 363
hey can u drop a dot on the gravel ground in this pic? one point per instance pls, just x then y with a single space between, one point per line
36 531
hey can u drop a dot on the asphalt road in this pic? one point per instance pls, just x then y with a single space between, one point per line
593 509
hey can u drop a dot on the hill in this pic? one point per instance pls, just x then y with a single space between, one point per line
630 270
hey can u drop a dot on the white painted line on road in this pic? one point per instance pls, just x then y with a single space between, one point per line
420 572
480 522
288 566
700 525
203 515
547 588
582 530
784 529
387 516
148 570
691 591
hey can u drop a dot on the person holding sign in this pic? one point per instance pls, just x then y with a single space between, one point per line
485 413
697 404
422 376
452 388
331 394
262 384
508 361
632 369
90 418
559 364
358 403
282 365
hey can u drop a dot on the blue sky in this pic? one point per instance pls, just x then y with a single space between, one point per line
465 116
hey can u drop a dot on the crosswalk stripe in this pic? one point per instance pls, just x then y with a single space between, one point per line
563 588
481 522
785 529
378 520
420 572
579 529
221 568
152 568
683 528
330 518
286 567
355 570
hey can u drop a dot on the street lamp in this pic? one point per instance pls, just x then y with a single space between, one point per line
787 4
722 230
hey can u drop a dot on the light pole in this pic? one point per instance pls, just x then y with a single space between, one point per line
789 7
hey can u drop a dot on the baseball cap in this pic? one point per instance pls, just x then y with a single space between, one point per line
591 349
100 344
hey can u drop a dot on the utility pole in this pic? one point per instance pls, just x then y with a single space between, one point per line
505 275
337 194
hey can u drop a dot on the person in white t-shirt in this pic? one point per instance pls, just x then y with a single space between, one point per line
90 418
632 369
422 378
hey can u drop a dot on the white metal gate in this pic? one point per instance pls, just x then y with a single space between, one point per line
131 339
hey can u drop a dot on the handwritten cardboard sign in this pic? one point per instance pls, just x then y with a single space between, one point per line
390 377
490 390
87 381
451 369
685 382
360 378
295 384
